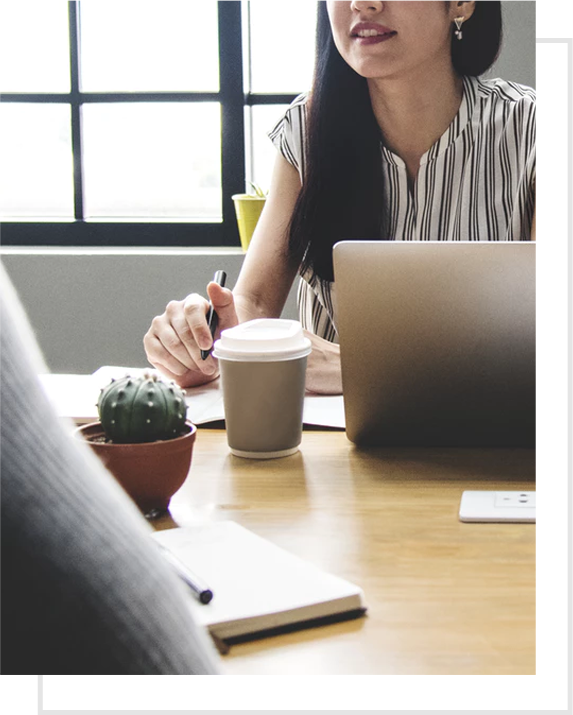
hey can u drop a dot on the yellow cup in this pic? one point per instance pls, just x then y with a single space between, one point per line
248 208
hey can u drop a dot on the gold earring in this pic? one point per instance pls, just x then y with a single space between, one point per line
459 22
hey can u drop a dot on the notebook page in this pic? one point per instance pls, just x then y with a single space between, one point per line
75 396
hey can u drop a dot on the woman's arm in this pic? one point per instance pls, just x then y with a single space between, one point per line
267 274
175 338
267 277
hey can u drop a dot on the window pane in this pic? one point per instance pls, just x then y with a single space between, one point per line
149 46
152 160
36 166
282 61
263 118
34 47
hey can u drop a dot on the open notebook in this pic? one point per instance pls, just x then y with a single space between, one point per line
75 396
259 589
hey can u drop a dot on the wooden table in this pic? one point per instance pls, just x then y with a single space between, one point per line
443 597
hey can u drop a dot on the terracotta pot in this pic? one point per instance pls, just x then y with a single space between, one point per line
150 472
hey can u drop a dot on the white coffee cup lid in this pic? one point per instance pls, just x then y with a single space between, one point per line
264 339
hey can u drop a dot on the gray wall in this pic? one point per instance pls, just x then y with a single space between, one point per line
92 307
517 58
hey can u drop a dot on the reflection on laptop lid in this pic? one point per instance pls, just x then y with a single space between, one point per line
437 342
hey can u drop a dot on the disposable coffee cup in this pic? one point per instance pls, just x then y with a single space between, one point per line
263 370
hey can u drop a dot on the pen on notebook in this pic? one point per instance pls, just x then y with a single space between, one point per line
212 318
200 590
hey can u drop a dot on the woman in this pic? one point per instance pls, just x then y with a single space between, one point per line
398 139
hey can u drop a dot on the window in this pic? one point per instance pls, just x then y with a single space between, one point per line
134 123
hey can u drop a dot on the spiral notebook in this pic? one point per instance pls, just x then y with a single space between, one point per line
259 589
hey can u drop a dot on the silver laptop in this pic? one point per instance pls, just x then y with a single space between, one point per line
437 342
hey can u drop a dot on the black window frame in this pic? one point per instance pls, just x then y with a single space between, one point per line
233 99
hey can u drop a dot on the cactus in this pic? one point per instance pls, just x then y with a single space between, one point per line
141 409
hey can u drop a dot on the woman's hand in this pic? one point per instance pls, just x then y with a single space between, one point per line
323 375
175 339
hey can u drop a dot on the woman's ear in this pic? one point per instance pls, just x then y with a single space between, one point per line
462 9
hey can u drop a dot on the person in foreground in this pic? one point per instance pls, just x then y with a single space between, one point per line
83 590
398 140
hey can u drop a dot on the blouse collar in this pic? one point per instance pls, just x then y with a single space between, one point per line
456 128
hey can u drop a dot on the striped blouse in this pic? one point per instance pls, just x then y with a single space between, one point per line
476 183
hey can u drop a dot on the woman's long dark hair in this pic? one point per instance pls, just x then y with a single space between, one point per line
341 197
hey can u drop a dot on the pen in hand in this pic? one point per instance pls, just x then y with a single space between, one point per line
200 590
212 318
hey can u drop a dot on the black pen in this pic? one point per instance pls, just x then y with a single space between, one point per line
212 319
200 590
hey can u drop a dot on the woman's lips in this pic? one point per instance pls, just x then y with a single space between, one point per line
370 33
373 39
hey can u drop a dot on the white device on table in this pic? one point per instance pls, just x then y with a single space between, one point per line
498 506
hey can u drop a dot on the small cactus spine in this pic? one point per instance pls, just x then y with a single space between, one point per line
141 409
